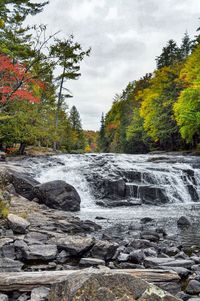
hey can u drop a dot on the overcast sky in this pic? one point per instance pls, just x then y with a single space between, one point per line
125 37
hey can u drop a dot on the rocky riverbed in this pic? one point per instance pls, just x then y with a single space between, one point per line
37 239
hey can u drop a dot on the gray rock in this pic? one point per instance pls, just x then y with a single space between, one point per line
41 252
136 256
75 245
183 221
141 244
24 185
151 262
40 293
87 262
123 257
150 235
18 224
58 195
104 249
3 297
9 265
193 287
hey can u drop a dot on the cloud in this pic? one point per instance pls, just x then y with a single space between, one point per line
125 37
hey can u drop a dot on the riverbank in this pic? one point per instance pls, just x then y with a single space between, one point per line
55 240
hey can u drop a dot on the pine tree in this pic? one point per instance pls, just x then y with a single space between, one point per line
78 139
169 56
102 137
185 48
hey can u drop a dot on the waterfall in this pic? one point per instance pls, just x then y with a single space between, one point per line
172 178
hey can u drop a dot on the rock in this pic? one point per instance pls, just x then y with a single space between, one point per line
87 262
193 287
40 252
183 296
146 220
58 195
17 224
107 287
40 293
183 221
114 188
152 195
136 256
141 244
75 245
123 257
3 297
24 185
150 235
9 265
104 249
152 262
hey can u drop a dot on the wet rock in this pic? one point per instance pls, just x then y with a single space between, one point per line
87 262
24 185
40 293
147 220
104 249
183 221
152 195
193 193
58 195
9 265
193 287
114 188
17 224
75 245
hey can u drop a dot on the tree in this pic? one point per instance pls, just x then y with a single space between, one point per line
102 143
187 107
78 139
169 56
186 46
67 54
16 83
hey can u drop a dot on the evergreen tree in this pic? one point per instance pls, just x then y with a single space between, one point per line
102 138
169 56
78 139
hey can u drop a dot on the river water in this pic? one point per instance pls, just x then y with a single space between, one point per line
175 175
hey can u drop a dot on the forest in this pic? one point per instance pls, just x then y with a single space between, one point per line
161 110
34 69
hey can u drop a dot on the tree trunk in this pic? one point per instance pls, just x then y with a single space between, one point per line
22 148
55 144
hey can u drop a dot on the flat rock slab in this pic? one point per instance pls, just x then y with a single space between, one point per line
89 284
25 281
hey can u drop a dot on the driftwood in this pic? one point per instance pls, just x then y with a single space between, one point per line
26 281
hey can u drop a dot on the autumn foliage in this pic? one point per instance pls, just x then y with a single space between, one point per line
17 83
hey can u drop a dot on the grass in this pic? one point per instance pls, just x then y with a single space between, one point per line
3 210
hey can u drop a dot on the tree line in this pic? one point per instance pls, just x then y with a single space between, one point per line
161 110
34 70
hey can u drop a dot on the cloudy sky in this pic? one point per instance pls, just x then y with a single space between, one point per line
125 37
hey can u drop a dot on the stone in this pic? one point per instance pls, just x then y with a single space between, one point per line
24 184
18 224
114 188
10 265
40 293
3 297
40 252
58 195
183 221
193 287
150 235
152 262
104 249
75 245
87 262
151 195
136 256
141 244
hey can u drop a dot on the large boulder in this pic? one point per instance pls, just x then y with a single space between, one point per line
58 195
24 184
107 287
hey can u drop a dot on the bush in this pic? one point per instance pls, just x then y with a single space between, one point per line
3 209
